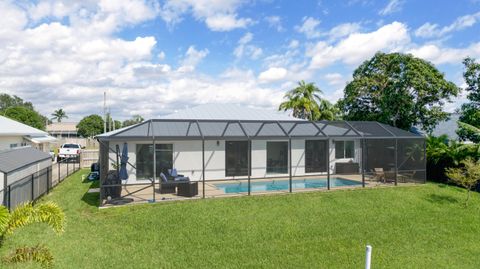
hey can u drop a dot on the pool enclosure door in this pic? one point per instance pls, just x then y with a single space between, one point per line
236 158
316 154
277 157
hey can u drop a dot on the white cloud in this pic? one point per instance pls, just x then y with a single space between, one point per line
293 44
334 78
272 74
358 47
245 49
343 30
226 22
309 27
439 55
429 30
275 22
392 7
12 18
161 55
192 58
70 65
218 15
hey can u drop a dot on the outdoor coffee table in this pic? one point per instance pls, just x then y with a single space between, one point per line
187 189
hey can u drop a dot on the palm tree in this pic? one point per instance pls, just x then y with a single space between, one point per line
59 114
303 100
327 111
25 214
470 129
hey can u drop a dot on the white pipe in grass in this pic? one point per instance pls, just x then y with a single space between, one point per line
368 257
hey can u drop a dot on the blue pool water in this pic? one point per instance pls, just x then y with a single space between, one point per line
282 185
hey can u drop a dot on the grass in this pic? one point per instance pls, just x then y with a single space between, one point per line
408 227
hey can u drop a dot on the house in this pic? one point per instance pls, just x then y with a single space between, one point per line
25 175
225 146
63 129
14 134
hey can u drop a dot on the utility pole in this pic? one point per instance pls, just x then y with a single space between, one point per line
104 112
109 120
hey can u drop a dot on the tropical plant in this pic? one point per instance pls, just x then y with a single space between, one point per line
398 89
90 126
437 148
467 176
304 101
26 214
328 111
59 114
470 111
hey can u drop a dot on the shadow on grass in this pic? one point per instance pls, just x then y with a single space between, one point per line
91 198
441 199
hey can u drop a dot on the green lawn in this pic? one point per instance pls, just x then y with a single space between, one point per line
409 227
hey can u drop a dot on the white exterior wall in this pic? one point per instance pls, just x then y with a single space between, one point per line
187 158
5 141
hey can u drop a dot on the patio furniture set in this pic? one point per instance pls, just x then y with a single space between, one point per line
177 184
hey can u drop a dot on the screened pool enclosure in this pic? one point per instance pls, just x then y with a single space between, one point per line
172 159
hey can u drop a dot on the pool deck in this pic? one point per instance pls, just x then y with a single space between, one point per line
133 194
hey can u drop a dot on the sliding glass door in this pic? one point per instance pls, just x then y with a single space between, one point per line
144 163
236 158
164 157
316 155
277 157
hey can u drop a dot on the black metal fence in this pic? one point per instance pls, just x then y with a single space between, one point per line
34 186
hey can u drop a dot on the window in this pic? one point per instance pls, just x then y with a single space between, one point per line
236 158
13 145
315 156
344 149
71 146
144 164
277 157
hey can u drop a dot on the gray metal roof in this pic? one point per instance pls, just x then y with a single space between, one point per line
189 129
14 159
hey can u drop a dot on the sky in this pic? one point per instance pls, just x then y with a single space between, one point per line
156 57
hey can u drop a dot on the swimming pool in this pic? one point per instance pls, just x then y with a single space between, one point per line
282 185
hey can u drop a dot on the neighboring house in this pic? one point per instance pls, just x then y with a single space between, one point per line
225 142
19 169
67 132
63 129
14 134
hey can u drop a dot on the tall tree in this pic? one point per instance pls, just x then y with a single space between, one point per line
26 116
398 89
7 101
134 120
90 126
470 112
59 114
303 100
